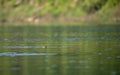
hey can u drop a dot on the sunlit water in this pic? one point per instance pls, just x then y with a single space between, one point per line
52 50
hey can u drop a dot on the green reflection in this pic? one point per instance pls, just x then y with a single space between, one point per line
92 50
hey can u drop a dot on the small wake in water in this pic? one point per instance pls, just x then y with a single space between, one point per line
13 54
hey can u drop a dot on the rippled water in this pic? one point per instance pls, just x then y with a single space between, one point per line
52 50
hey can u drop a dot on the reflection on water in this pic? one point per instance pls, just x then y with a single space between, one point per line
14 47
61 39
74 50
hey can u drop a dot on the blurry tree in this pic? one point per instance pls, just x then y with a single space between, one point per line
91 6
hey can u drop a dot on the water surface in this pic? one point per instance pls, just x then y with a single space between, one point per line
59 50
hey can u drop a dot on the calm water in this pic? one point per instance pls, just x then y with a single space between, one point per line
52 50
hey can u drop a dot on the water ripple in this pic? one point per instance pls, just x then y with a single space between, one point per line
33 47
13 54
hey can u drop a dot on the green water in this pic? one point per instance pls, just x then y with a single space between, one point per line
59 50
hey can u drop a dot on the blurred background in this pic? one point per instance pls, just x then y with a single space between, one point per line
60 11
59 37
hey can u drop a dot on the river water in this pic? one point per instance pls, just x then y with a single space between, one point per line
59 50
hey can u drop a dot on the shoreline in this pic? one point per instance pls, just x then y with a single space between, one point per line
61 22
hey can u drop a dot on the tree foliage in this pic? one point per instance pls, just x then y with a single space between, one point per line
58 7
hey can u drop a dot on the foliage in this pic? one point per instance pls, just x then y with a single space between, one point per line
55 8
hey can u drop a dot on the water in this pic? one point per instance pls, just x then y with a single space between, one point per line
59 50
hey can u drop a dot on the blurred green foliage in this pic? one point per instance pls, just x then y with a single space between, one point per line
55 8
